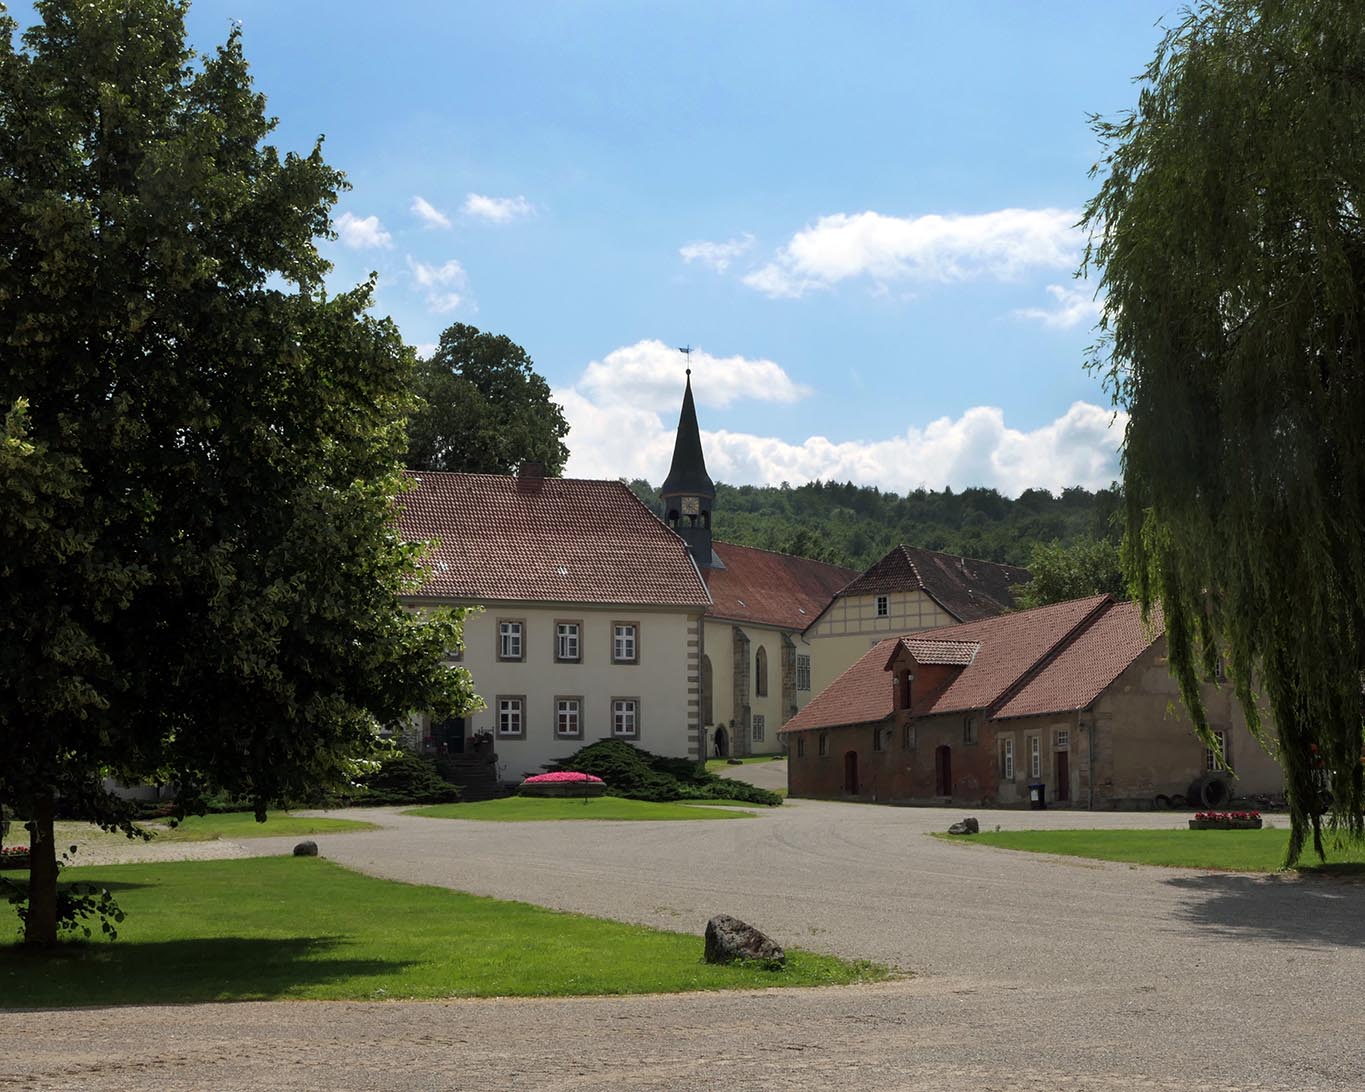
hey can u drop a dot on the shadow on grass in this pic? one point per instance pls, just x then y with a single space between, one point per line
176 972
1304 912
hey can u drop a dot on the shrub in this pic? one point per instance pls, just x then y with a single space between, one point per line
634 773
405 779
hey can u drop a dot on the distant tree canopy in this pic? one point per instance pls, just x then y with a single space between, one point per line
854 525
483 408
1228 234
1087 566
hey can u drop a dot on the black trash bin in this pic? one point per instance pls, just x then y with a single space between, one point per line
1037 796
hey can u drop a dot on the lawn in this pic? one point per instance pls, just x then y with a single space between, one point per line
1227 850
235 825
527 809
304 928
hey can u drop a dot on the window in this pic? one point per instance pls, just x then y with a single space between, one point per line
802 672
908 738
824 744
761 672
800 746
1007 759
883 605
1211 757
625 718
568 642
876 739
1035 758
968 729
569 718
509 640
625 644
1063 739
760 727
511 718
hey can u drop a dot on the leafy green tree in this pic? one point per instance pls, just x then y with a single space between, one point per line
1060 572
198 579
1227 229
483 408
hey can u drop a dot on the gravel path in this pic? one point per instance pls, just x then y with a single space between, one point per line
1031 973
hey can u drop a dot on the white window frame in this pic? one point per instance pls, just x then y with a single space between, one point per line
1063 739
625 718
625 642
759 727
883 606
802 671
570 708
1211 757
511 716
511 640
1035 757
568 642
1007 759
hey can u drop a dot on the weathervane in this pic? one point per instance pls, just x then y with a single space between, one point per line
686 351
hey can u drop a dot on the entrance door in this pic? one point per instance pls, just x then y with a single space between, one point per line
448 736
722 743
943 771
1063 791
851 773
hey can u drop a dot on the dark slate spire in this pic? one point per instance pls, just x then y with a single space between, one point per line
688 472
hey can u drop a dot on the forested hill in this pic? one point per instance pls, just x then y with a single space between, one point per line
854 525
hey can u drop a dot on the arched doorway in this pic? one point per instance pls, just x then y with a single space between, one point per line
722 743
851 773
943 771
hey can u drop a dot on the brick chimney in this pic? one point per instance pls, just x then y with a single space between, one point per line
530 476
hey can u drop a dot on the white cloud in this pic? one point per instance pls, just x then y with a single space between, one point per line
1074 307
623 412
932 248
650 373
717 256
425 211
361 233
445 284
498 210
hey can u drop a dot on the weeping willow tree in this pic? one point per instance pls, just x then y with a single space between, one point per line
1228 240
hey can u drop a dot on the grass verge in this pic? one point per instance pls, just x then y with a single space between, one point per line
1223 850
527 809
303 928
235 825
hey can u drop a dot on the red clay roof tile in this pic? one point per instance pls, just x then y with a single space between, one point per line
771 588
966 588
561 540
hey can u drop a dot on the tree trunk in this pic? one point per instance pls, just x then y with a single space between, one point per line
41 927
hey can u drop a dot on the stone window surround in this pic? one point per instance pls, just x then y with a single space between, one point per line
803 672
635 702
1007 759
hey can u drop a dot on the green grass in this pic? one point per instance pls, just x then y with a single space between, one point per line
1227 850
235 825
527 809
294 928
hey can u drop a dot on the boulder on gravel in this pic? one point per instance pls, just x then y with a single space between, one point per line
729 939
306 849
966 826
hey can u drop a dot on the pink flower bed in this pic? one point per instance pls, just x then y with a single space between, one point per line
14 851
562 776
1226 816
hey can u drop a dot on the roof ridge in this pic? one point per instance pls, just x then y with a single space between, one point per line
904 548
962 557
1057 648
514 477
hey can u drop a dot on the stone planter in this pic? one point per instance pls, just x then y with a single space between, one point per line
15 860
562 788
1225 824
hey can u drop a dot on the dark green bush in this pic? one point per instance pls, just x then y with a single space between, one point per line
634 773
405 779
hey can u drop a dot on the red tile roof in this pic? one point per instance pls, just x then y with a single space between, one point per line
1047 660
1085 668
775 589
966 588
951 653
560 540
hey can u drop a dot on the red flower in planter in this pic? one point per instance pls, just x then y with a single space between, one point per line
563 775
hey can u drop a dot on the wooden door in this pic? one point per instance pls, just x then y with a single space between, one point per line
943 771
1063 790
851 773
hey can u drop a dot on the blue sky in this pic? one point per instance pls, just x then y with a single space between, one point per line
860 214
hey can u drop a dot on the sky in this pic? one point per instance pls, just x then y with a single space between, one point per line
861 216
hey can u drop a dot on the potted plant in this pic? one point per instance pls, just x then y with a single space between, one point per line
15 857
1226 820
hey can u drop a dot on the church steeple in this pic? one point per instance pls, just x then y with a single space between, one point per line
688 492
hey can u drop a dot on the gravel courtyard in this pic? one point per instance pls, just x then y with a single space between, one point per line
1029 972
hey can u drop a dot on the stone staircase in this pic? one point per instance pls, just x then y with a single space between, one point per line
476 774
